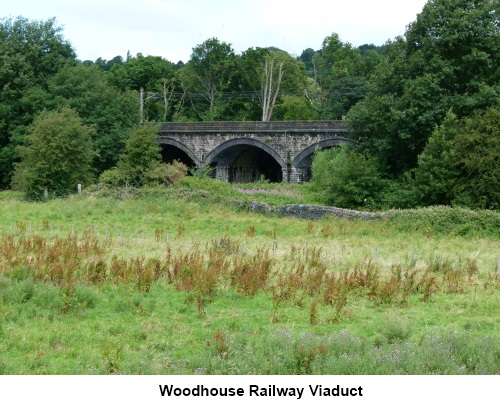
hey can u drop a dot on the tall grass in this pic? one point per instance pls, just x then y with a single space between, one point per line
175 284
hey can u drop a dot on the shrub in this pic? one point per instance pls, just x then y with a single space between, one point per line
347 178
58 155
460 163
446 220
141 163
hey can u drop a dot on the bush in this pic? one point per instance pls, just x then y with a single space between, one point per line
58 155
442 220
347 178
141 164
460 163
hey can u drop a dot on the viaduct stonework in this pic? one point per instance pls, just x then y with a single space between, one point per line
251 150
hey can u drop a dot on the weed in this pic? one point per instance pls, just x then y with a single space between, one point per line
395 330
310 227
220 342
112 358
327 231
159 234
249 275
180 229
226 245
21 227
273 233
428 285
305 356
313 313
454 280
199 305
250 232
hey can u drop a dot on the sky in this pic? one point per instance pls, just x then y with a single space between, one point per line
172 28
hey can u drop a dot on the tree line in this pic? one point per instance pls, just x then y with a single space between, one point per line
407 103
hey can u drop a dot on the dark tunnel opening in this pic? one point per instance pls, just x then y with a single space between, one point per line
245 164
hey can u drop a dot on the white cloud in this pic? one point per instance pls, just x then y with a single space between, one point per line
171 28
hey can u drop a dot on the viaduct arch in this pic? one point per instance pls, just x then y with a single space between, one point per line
251 150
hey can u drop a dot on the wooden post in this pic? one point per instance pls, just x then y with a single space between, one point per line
79 189
45 193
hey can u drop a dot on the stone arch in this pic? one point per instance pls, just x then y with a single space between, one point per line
182 147
302 158
246 159
245 141
301 165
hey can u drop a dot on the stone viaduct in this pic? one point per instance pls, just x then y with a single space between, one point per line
251 150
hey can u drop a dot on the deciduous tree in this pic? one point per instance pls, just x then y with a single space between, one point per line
30 53
449 58
58 155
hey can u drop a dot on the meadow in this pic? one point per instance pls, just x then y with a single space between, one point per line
185 280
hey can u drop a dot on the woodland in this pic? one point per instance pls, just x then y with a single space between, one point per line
424 108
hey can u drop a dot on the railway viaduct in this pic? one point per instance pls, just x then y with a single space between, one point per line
251 150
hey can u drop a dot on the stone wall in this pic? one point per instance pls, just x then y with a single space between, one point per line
311 212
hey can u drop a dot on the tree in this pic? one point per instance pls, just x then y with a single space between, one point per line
110 111
295 108
209 71
448 59
307 58
347 178
30 53
477 160
460 164
249 79
141 163
272 76
58 156
267 75
146 72
436 173
342 74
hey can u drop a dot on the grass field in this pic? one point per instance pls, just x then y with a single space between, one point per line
183 280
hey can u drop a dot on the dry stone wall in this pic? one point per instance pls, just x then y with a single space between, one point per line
311 212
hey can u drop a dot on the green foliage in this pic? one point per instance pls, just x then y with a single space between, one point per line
449 59
460 164
30 53
436 173
58 155
477 158
141 164
295 108
219 276
441 220
146 72
347 178
110 111
342 73
208 73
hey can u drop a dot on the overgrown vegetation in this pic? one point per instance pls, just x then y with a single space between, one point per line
58 156
425 119
141 164
151 271
182 285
